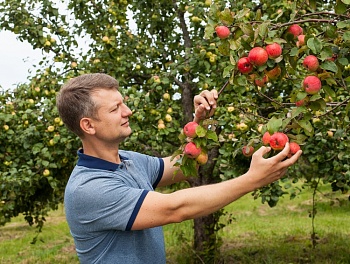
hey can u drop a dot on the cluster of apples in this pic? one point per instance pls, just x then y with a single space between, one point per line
311 83
277 141
191 149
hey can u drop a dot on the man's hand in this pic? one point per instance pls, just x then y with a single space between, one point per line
265 171
205 104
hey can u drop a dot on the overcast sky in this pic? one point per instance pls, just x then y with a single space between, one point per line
16 58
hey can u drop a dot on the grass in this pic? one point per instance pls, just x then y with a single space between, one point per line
256 234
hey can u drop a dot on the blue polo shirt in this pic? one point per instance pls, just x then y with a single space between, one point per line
102 200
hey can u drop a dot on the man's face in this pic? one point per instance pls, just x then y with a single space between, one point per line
112 125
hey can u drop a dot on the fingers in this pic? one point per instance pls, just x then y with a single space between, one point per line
262 151
205 102
207 99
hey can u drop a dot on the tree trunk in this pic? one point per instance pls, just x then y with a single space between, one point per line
205 239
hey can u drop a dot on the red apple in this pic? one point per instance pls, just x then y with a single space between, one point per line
258 56
274 73
248 151
293 148
202 158
191 150
260 81
274 50
295 29
266 138
301 102
311 63
278 140
301 41
244 66
222 32
190 129
312 84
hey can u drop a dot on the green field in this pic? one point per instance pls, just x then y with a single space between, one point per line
256 234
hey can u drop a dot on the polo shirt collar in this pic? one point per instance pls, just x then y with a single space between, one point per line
96 163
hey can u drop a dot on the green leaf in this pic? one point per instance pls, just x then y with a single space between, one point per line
343 24
307 126
224 48
263 29
315 45
329 66
340 7
297 111
227 71
328 90
212 135
274 124
201 131
346 36
226 17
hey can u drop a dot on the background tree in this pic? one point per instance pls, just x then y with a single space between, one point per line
163 53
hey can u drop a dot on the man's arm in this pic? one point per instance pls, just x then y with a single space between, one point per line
160 209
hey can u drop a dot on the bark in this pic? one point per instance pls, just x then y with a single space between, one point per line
205 239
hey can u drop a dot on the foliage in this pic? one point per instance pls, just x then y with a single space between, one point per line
163 53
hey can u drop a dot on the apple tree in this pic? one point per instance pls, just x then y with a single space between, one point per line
163 53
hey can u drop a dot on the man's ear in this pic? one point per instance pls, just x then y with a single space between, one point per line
87 125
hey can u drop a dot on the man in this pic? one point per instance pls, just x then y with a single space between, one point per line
113 212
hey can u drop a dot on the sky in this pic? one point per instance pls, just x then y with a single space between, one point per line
16 58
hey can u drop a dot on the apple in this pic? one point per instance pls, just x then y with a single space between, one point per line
168 118
6 127
311 63
312 84
244 65
330 133
230 109
261 80
248 151
260 127
301 41
316 120
191 150
57 120
222 32
46 172
293 148
242 126
301 102
274 73
51 128
170 110
207 2
231 136
74 64
161 126
190 129
266 138
258 56
295 29
166 96
202 158
274 50
278 140
156 79
105 39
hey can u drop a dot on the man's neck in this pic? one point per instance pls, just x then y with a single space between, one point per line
104 152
